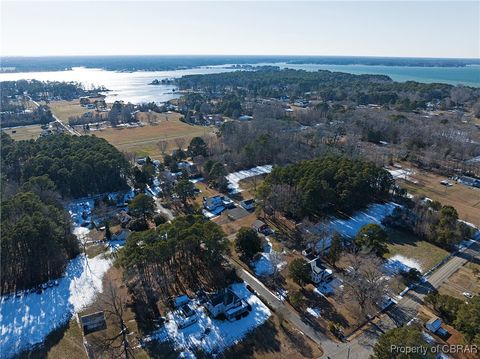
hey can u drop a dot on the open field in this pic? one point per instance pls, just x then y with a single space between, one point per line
143 140
466 279
409 246
66 109
465 199
24 132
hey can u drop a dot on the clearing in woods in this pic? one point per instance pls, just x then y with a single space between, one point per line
24 132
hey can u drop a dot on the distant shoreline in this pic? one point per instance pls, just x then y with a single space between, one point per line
173 63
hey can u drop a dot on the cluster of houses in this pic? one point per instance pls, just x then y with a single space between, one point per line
215 205
223 304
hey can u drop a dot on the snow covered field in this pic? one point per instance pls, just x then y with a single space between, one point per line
211 335
348 227
399 263
374 213
235 177
27 320
265 264
404 174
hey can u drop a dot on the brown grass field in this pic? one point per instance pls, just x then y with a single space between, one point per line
24 132
66 109
465 199
143 140
465 279
407 245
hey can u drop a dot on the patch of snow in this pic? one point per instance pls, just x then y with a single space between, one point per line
196 180
398 263
315 312
211 335
235 177
325 289
27 320
404 174
264 265
348 227
81 211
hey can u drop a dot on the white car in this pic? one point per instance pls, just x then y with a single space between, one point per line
468 295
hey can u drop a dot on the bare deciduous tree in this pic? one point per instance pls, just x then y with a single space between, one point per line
162 146
365 284
180 142
113 305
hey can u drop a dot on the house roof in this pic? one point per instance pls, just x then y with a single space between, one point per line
213 201
434 322
317 266
258 224
225 296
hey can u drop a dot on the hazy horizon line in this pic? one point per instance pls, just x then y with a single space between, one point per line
245 55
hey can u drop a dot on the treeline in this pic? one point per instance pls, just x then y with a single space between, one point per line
271 82
432 222
41 115
36 241
317 187
44 90
188 250
78 166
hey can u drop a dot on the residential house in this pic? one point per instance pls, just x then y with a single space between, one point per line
213 204
187 166
435 326
469 181
319 273
226 302
261 227
248 204
123 217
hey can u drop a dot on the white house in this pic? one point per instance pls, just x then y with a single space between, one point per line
225 302
319 273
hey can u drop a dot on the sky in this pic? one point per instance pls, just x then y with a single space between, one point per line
357 28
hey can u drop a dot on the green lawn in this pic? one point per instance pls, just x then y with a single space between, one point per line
408 245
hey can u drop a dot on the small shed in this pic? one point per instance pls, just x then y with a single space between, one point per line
93 322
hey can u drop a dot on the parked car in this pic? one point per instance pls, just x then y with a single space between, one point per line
468 295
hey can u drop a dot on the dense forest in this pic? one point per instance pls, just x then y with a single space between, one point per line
77 165
317 187
36 240
271 82
190 248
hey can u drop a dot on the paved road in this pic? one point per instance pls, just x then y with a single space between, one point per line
405 310
283 309
60 123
